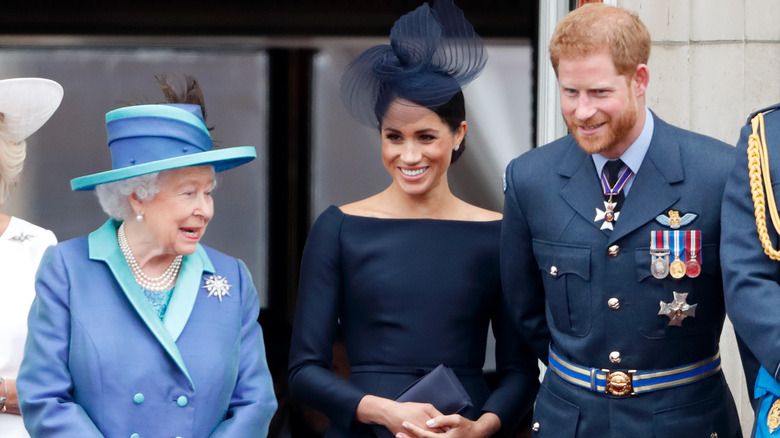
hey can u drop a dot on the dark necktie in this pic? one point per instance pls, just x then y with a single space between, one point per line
612 171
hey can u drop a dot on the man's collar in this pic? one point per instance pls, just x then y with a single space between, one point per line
635 154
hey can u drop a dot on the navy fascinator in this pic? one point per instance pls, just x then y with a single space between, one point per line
433 53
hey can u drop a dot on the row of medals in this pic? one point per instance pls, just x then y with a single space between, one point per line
661 267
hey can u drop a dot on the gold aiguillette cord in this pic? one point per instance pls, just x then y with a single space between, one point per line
758 164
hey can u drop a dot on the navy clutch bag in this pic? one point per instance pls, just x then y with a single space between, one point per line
440 387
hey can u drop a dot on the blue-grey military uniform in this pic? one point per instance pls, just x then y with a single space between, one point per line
585 295
750 276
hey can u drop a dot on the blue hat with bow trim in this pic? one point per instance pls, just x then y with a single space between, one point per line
151 138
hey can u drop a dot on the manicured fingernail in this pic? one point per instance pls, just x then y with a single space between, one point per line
430 423
405 425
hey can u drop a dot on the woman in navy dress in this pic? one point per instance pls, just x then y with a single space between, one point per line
409 278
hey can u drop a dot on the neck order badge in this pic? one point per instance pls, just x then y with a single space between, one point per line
613 178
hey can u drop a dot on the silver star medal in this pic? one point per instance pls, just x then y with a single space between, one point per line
678 309
608 215
217 286
21 237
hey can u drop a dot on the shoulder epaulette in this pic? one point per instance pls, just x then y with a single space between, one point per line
768 109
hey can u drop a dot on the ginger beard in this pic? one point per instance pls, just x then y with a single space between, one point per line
617 129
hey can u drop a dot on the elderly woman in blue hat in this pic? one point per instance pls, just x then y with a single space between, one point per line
25 105
410 275
137 329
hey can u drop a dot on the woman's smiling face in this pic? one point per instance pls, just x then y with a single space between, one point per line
417 147
178 214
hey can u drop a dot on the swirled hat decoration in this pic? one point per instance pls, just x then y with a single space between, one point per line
433 53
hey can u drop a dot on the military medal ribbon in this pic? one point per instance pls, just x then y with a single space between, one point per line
677 267
693 248
625 174
659 249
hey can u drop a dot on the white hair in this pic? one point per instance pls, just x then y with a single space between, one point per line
12 156
114 197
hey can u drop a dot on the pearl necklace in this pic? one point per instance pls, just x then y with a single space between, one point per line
158 284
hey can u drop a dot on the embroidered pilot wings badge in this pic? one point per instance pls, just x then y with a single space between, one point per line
674 221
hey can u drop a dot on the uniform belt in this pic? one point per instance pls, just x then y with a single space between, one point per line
403 369
630 382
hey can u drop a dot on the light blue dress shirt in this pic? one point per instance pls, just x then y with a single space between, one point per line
634 155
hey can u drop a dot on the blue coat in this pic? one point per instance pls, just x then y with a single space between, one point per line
551 196
751 279
100 362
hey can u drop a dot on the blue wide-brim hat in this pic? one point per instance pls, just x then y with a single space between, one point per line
151 138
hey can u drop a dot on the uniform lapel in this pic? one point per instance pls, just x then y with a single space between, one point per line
653 190
582 191
103 246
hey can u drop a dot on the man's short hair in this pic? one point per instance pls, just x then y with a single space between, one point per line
596 27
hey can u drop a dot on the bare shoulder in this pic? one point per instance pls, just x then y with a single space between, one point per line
370 207
473 213
354 208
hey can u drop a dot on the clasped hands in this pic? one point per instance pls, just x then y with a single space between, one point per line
422 420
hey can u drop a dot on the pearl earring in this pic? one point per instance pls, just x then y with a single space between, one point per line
457 146
139 218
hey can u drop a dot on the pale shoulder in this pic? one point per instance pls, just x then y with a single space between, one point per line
469 212
370 207
459 210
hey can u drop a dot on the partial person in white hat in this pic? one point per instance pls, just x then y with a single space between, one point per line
25 105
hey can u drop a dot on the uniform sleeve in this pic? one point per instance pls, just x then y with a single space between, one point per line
253 402
45 385
523 291
750 277
315 325
518 372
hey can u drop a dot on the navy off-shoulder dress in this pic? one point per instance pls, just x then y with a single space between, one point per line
409 294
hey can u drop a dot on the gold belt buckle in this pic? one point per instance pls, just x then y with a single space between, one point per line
619 383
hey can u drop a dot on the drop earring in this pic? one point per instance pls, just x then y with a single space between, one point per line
139 218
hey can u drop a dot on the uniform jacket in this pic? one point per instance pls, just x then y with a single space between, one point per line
751 279
100 362
559 271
